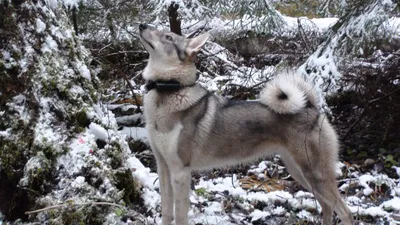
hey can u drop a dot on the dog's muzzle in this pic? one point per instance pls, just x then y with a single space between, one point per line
142 28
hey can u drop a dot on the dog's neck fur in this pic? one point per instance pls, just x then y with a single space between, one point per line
184 73
171 102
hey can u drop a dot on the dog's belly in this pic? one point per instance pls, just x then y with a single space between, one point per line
204 159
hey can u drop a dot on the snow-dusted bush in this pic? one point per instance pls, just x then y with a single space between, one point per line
356 34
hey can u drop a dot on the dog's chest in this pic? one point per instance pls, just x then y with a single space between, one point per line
164 138
159 117
163 127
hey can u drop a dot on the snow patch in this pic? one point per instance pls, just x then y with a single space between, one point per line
45 132
83 70
18 104
258 214
78 182
40 26
392 204
5 133
49 45
78 154
98 131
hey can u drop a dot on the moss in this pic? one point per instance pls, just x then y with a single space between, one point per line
93 218
115 157
114 153
14 152
93 95
2 69
18 195
82 119
87 99
73 216
137 146
14 200
71 50
63 94
78 121
10 83
202 192
37 174
126 182
11 157
49 152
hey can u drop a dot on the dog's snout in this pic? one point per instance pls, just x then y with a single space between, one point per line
143 26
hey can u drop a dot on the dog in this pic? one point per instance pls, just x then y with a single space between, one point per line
190 128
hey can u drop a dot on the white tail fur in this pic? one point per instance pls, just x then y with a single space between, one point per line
289 93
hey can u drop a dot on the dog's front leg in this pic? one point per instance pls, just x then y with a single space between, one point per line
167 200
181 187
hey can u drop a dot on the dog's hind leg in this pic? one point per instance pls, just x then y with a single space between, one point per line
181 186
318 176
327 194
296 172
167 195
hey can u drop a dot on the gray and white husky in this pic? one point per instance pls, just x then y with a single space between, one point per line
190 128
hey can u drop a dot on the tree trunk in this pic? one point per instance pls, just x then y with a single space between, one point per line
48 108
174 21
75 20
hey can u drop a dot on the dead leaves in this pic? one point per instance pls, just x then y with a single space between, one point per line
254 183
132 101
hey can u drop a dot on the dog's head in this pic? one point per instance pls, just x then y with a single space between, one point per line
171 56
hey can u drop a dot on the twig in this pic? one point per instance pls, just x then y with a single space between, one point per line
223 60
154 182
247 88
301 32
211 72
132 90
385 96
191 35
105 47
365 111
124 52
233 185
356 122
71 204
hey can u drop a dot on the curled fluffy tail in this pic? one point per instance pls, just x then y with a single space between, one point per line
289 94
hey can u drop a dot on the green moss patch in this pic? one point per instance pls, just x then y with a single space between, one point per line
126 182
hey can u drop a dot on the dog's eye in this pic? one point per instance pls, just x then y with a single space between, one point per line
169 38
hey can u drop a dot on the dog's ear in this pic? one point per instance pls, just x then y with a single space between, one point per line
195 44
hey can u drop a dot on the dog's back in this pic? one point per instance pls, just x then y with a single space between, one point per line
217 132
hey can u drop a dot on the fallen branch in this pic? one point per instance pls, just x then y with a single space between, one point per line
71 203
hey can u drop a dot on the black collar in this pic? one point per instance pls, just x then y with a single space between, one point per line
165 86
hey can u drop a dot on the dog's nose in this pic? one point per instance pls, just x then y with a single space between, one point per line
142 26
